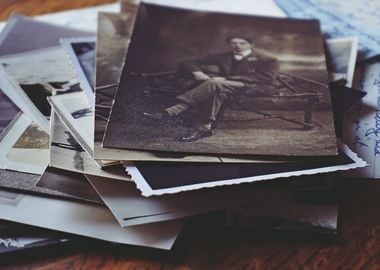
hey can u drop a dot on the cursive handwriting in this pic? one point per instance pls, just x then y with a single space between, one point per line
377 148
358 142
374 130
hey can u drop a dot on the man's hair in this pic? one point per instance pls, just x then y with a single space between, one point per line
249 40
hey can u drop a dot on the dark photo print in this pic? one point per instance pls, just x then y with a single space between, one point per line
213 83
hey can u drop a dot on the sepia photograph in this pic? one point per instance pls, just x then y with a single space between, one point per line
240 85
114 31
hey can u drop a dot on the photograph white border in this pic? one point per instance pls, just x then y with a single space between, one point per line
147 191
354 42
74 61
19 125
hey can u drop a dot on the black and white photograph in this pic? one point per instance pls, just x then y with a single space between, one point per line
114 31
341 54
75 111
130 208
29 78
85 219
155 178
52 183
81 53
67 154
22 140
241 85
70 184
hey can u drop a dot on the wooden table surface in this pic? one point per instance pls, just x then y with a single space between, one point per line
202 246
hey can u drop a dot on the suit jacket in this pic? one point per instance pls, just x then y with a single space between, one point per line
255 68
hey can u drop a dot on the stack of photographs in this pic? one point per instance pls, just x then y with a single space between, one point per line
124 134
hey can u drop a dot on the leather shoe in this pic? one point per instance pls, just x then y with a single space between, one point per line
308 126
194 136
157 115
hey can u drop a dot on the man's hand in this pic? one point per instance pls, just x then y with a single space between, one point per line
200 76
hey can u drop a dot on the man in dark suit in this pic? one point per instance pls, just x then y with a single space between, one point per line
234 73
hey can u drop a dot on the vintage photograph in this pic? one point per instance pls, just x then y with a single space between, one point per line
67 154
130 208
23 140
154 178
85 219
81 53
72 185
242 85
341 56
114 31
51 185
76 113
29 78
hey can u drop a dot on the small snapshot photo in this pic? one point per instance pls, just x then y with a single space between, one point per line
214 83
81 53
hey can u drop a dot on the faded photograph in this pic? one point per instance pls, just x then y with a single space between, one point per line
67 154
34 142
72 185
85 52
154 178
29 183
76 112
29 78
241 85
114 31
22 140
81 53
341 56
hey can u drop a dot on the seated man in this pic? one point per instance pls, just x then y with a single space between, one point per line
240 69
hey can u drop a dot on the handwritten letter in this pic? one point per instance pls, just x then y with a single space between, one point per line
362 123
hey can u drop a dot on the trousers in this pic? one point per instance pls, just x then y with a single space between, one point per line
210 95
